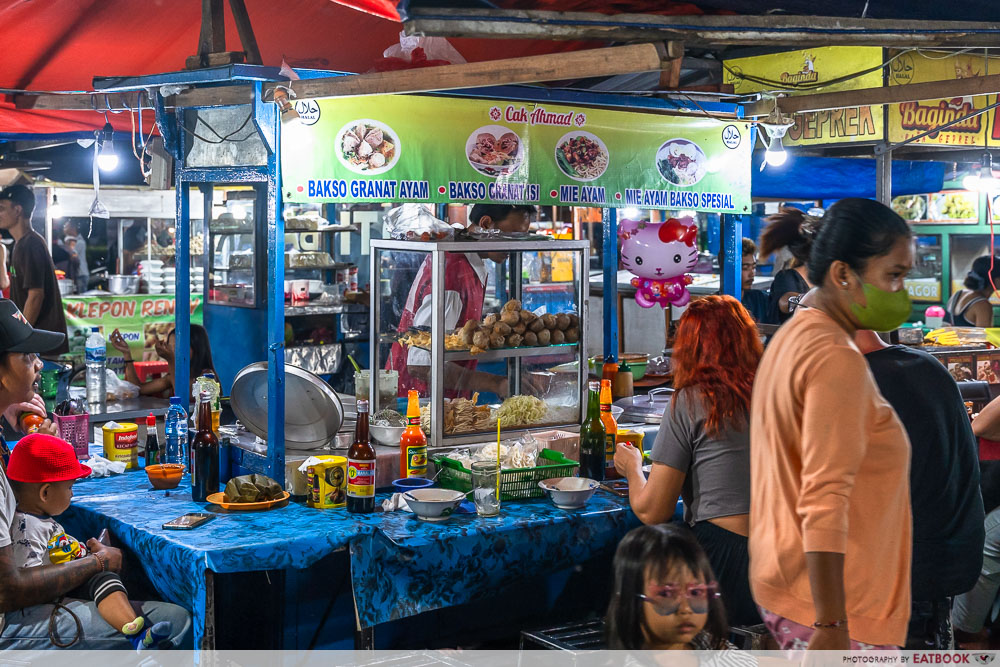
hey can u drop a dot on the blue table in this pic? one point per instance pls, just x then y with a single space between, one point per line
400 566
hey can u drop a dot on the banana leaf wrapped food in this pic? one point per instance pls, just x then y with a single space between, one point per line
251 489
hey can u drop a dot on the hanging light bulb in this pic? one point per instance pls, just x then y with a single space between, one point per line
106 158
288 112
984 181
56 209
776 125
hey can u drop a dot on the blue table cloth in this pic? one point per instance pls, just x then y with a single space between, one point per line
400 566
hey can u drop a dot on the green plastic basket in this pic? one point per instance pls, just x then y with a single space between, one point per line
515 483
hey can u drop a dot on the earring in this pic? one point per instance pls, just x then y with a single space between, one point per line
844 283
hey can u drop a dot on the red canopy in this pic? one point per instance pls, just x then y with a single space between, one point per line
63 44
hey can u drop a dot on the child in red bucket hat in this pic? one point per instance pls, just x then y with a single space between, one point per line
42 471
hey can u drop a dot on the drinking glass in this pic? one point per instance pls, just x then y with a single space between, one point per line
485 475
362 384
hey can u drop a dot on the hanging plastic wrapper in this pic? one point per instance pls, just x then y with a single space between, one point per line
413 222
415 51
98 209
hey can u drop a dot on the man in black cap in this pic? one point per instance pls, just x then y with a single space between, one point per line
28 616
33 285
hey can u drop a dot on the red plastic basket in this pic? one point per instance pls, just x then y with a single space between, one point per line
75 429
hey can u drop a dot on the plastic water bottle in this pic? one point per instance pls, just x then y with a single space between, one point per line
176 430
96 356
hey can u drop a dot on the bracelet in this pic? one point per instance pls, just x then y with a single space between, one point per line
835 624
100 559
130 361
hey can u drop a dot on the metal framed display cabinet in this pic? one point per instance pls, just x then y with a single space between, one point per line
514 362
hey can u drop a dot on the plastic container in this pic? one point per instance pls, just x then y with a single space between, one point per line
96 357
175 428
515 483
75 429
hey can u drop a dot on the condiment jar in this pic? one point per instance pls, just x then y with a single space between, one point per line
621 385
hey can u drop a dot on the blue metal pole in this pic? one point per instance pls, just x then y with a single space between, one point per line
732 255
267 120
610 262
182 296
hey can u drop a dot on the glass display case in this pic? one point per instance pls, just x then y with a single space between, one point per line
232 276
450 320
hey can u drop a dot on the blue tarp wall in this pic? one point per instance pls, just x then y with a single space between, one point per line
811 178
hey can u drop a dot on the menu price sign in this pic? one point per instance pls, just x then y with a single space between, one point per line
408 148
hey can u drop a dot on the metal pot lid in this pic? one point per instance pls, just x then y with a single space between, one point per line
648 408
313 411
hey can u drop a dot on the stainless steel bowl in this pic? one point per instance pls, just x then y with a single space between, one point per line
118 284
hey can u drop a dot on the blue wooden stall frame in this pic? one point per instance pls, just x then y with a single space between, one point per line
266 120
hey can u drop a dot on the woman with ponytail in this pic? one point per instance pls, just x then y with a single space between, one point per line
970 307
789 228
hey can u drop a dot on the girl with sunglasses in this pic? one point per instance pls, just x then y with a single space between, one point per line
665 595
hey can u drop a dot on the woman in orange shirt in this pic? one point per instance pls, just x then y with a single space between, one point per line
830 536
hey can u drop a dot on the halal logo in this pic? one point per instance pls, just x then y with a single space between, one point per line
308 111
901 69
731 136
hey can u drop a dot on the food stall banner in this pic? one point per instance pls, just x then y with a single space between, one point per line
142 319
436 149
909 119
783 71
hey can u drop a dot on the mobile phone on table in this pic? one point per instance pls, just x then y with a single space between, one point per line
188 521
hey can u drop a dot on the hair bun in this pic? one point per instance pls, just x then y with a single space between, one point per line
973 277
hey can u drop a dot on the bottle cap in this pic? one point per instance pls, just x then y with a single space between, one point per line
150 420
95 329
175 400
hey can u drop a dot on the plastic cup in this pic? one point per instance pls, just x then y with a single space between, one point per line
485 475
362 384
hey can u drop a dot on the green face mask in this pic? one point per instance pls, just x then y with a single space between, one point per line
885 310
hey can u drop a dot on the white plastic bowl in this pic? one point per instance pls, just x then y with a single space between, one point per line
433 504
569 493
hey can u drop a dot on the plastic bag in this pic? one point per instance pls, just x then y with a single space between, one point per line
415 51
119 390
413 222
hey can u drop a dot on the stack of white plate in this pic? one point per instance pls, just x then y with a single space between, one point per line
151 274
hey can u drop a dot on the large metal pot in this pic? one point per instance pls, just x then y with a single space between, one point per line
118 284
66 287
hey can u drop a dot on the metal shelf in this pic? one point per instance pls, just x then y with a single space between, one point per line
324 230
481 246
325 267
507 352
231 232
302 311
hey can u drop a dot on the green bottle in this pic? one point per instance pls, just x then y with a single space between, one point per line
592 457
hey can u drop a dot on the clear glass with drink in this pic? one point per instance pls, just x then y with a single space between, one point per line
485 484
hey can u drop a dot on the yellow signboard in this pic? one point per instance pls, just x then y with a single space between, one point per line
909 119
799 72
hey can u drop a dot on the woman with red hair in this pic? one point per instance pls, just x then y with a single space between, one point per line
702 450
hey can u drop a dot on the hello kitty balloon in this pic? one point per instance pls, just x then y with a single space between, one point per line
659 254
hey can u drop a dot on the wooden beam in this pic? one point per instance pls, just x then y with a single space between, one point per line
670 76
245 30
529 69
212 38
911 92
772 30
195 97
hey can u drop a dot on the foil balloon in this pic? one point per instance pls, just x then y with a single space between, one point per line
659 254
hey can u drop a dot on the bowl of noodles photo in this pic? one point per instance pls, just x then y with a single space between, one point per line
494 150
681 162
582 156
367 147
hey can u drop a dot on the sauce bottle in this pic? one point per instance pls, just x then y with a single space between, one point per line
413 443
204 453
592 443
152 453
361 466
609 369
610 431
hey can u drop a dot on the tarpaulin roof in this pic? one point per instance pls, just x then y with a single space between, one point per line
836 178
61 45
